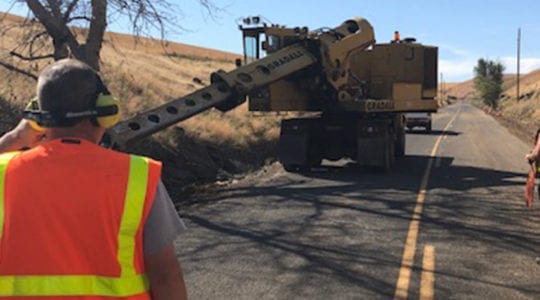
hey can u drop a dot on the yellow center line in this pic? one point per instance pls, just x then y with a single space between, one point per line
407 260
427 283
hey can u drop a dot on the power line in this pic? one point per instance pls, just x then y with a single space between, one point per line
518 62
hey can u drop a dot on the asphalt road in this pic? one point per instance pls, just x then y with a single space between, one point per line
449 222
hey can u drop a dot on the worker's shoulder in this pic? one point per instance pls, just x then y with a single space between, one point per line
150 160
7 156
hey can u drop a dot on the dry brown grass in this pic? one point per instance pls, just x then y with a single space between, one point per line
528 83
238 127
461 90
526 111
145 73
522 115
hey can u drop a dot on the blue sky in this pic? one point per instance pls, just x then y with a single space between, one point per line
463 30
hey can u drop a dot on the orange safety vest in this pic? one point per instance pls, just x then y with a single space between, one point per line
71 222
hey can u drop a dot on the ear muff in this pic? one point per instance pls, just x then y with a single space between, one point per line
106 114
108 109
32 107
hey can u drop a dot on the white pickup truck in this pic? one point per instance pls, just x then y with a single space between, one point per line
420 119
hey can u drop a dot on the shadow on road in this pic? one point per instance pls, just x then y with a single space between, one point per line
434 132
295 219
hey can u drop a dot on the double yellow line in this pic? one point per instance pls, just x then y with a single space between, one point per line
407 261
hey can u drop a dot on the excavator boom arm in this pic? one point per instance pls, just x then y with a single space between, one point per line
226 91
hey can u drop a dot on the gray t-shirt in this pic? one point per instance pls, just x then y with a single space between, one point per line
163 224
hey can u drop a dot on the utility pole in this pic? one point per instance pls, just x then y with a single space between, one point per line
518 62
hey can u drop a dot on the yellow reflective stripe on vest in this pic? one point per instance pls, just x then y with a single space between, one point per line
72 285
129 283
4 161
133 210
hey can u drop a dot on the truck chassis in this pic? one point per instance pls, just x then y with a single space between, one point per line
369 139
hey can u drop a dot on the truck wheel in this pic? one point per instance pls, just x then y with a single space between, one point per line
314 154
387 163
291 168
389 154
392 153
428 127
400 142
298 168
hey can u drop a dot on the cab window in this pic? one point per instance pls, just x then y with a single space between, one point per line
251 48
273 43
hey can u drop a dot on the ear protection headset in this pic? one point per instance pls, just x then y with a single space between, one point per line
104 113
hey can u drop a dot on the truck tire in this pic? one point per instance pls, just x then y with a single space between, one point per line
400 142
387 163
428 127
299 147
392 155
314 155
291 168
389 153
294 168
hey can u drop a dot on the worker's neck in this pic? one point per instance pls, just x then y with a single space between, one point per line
82 130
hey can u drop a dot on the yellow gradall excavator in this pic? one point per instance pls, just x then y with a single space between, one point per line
356 89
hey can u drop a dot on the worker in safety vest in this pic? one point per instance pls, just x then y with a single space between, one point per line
79 221
534 156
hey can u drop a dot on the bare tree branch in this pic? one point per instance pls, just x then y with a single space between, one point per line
56 29
78 18
70 7
33 40
20 71
31 58
210 8
57 21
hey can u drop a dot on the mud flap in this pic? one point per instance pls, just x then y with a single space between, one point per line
375 146
295 142
292 149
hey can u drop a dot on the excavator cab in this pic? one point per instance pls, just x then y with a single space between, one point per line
261 39
253 36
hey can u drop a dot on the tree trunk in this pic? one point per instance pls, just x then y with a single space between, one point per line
94 40
60 49
64 41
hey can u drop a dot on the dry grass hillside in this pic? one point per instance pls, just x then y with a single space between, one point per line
461 90
525 113
144 73
523 116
